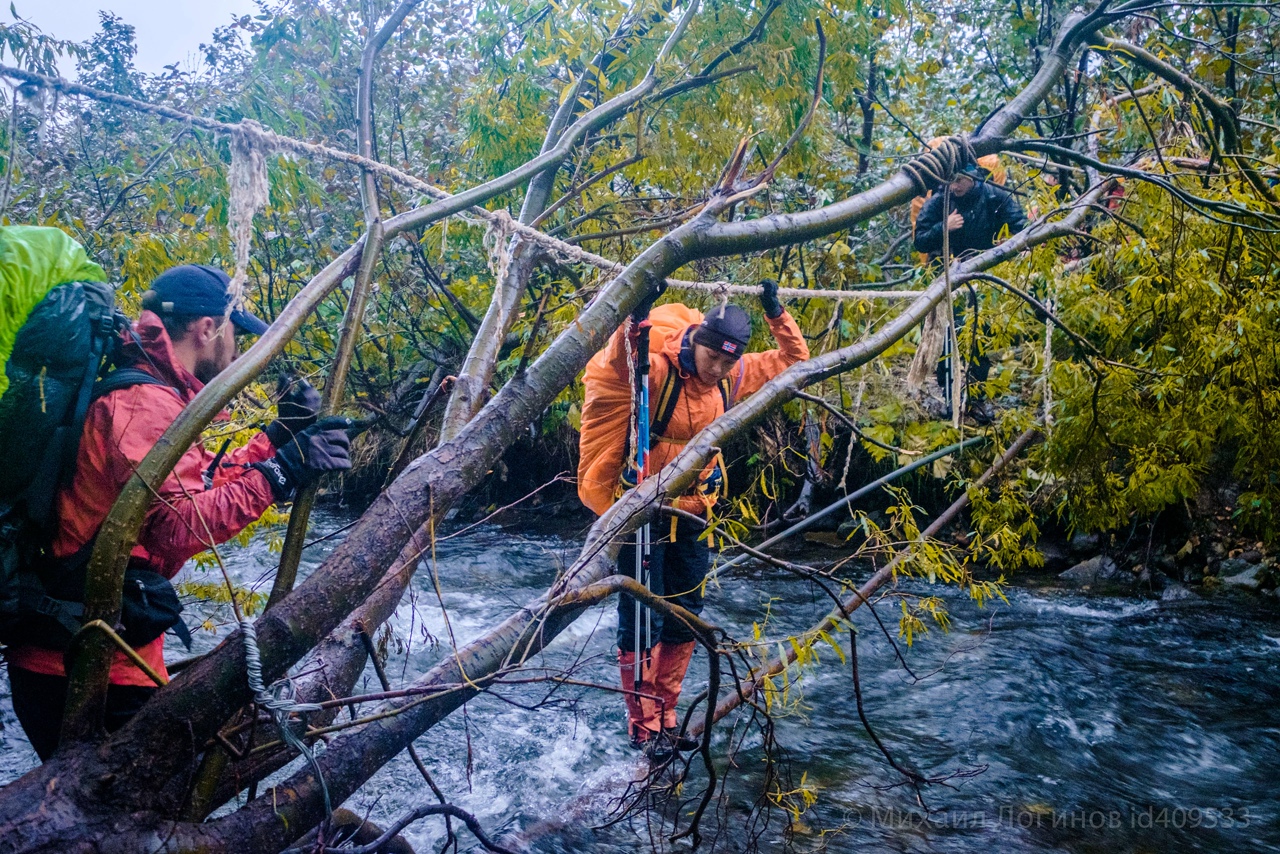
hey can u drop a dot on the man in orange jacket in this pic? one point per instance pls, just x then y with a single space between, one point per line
183 339
697 370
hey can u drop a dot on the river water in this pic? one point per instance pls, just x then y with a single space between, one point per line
1090 724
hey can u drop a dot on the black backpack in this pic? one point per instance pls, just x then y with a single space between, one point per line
61 361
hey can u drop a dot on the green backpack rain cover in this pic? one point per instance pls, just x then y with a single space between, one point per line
33 259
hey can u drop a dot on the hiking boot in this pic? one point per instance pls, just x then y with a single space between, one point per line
680 741
659 749
980 412
642 738
667 744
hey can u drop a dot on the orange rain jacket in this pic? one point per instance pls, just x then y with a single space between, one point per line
187 519
606 411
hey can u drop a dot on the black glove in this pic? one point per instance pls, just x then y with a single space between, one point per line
320 448
641 311
298 406
769 299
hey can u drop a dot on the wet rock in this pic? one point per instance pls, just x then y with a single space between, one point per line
1249 579
1055 556
1092 571
1082 543
1230 566
1175 592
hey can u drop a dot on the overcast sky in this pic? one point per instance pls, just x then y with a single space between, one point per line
167 31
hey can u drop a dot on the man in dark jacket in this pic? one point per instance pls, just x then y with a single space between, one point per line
974 214
184 338
978 213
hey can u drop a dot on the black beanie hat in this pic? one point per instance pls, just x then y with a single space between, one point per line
725 329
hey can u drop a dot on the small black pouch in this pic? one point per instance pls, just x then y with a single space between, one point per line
149 608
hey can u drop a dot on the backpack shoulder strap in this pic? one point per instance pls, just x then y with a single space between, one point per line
122 378
670 395
665 405
59 454
726 391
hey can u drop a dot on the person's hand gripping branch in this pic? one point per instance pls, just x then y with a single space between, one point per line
323 447
769 299
297 407
641 311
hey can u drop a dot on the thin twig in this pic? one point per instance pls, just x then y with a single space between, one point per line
848 422
767 175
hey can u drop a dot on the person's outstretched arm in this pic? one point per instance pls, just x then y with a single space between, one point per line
756 369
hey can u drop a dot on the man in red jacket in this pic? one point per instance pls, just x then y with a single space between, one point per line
184 338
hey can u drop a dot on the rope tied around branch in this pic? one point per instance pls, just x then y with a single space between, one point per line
934 167
249 193
280 701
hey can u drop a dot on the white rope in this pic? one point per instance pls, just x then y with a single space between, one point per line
258 141
957 377
724 288
249 193
853 416
280 702
252 140
497 240
633 419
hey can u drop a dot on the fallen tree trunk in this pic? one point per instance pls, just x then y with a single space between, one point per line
296 802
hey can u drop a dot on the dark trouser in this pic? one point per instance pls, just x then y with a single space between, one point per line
676 572
977 366
38 700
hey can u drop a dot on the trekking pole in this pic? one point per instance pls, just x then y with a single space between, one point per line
642 467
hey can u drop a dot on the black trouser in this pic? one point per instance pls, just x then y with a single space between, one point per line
978 366
676 573
38 700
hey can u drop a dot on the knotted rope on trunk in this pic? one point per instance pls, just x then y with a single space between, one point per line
280 701
934 167
497 241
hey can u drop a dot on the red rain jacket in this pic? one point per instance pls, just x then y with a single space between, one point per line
187 519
